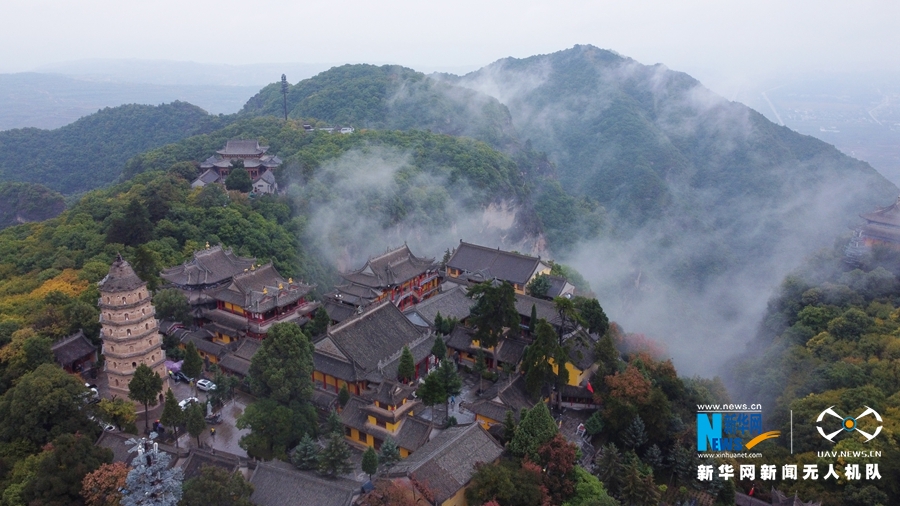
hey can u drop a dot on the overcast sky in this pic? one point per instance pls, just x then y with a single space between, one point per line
716 41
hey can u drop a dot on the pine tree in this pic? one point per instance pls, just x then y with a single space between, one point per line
432 392
144 386
343 395
172 415
151 481
306 454
406 369
333 423
450 381
594 424
390 453
319 325
535 428
509 426
193 364
195 423
480 368
439 349
635 435
532 323
370 462
653 457
335 458
608 463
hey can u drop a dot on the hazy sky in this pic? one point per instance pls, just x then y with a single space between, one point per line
712 40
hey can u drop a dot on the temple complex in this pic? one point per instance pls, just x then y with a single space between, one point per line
397 276
130 332
258 164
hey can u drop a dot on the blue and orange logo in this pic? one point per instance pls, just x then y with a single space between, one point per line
732 431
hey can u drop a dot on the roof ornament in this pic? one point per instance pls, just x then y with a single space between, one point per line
265 290
290 281
207 244
252 267
280 286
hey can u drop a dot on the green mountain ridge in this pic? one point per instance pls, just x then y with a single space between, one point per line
389 97
91 152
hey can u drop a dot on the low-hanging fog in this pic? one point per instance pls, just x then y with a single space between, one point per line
739 202
708 205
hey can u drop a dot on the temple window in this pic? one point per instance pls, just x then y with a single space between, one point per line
127 332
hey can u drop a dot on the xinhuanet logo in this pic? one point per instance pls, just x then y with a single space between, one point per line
847 424
731 431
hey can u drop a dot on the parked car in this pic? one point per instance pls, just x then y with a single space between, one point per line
185 403
180 376
205 385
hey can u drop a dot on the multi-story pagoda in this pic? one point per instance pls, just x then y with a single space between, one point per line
397 275
130 332
258 164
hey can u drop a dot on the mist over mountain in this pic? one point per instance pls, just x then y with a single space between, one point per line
709 203
682 209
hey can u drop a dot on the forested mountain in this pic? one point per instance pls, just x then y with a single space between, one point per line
26 202
647 140
91 152
389 97
373 189
830 339
709 204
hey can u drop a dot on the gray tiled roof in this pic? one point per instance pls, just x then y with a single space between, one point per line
277 483
376 335
460 338
389 392
207 267
198 459
238 361
558 286
446 463
202 343
337 311
452 303
72 348
544 308
242 147
581 349
390 269
413 433
494 263
510 350
257 290
121 277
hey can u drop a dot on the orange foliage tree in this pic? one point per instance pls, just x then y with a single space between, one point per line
102 487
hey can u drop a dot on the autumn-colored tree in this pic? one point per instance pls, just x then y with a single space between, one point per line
630 386
103 487
557 457
389 493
